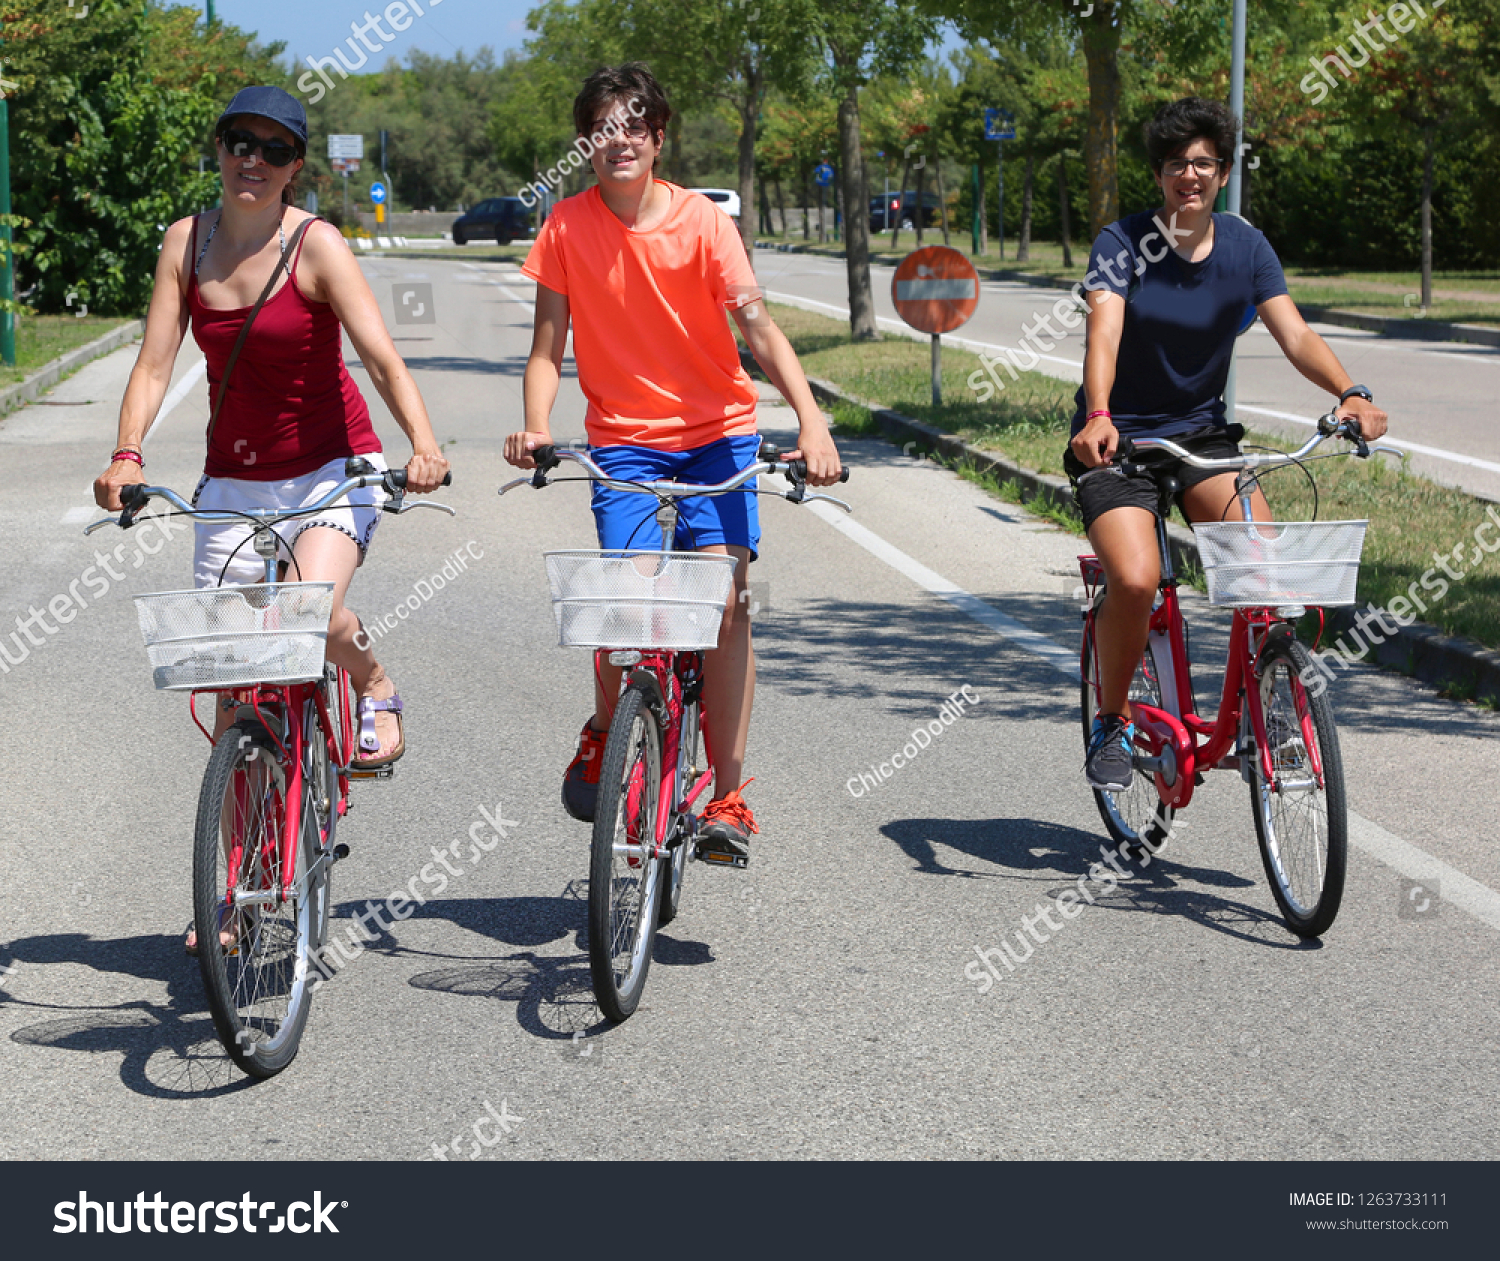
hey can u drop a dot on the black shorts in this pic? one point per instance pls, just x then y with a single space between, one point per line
1102 489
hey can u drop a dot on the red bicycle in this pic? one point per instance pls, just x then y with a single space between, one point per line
1278 735
655 613
278 779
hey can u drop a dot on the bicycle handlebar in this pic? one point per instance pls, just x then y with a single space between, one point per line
359 473
548 457
1329 426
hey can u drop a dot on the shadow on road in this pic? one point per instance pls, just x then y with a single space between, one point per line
1054 853
170 1051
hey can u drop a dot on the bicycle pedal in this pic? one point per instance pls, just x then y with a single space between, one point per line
380 772
714 858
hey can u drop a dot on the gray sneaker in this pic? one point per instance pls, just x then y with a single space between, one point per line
1110 744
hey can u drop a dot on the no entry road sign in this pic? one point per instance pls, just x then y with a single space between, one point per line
935 289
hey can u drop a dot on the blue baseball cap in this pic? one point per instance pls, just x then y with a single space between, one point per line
265 101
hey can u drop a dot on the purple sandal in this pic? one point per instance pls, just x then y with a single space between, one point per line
369 742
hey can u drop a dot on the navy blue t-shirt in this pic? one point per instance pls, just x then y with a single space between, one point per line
1181 320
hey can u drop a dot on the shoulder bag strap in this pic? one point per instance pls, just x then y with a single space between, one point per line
281 264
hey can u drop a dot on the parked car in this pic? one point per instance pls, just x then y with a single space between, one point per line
889 209
726 198
498 219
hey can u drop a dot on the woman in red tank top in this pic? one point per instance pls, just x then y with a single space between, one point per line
291 409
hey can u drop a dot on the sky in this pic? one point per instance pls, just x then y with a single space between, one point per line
311 28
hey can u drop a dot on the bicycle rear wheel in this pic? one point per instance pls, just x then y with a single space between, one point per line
624 883
1136 818
688 746
1302 826
258 986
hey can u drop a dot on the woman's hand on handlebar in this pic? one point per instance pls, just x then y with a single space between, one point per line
107 485
519 446
1372 421
1096 442
425 471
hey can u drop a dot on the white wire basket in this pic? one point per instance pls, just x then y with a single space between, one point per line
637 599
224 637
1260 563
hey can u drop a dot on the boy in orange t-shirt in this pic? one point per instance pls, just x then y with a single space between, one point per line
645 271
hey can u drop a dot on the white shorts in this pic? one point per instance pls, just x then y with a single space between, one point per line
223 553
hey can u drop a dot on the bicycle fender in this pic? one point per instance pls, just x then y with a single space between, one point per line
1278 631
651 686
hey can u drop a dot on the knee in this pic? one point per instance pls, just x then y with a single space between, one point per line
1134 589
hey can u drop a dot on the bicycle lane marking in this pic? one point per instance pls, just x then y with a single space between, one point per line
176 394
1464 892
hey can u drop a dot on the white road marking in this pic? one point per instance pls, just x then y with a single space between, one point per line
1464 892
1437 452
77 516
176 394
505 289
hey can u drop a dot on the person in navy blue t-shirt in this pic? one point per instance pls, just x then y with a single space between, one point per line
1168 293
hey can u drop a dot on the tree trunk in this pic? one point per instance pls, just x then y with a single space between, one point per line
1429 139
749 109
806 208
893 222
780 205
917 215
856 222
1101 45
674 149
1062 206
1023 249
984 217
942 197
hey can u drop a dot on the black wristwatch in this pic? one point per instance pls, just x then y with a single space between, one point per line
1360 390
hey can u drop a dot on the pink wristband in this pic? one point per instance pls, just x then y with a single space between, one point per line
123 454
1102 411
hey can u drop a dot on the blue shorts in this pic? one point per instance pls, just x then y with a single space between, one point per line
627 519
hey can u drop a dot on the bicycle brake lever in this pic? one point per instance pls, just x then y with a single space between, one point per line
423 503
807 499
99 525
520 481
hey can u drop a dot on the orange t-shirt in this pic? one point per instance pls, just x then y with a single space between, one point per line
656 359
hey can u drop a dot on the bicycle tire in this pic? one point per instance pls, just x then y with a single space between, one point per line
1304 843
1137 819
623 888
259 992
688 746
320 814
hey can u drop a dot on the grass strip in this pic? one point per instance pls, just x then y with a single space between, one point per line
1413 521
42 338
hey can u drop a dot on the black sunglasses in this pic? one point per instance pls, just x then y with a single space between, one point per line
241 144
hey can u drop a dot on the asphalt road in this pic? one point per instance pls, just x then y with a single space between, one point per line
816 1004
1440 395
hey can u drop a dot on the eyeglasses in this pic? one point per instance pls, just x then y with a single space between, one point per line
1204 166
241 144
636 132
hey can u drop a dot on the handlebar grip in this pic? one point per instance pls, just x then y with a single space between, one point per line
397 478
132 499
546 457
797 471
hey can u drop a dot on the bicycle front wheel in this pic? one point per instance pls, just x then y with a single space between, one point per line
1301 813
257 982
624 882
1136 818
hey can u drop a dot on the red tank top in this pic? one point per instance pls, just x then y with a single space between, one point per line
292 405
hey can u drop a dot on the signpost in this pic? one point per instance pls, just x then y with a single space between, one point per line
935 291
822 177
1000 126
344 154
377 195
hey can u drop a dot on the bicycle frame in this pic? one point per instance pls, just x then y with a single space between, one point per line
1182 745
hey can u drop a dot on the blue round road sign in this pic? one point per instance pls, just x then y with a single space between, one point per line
823 174
377 193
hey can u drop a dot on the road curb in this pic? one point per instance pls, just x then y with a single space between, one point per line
50 374
1450 663
1418 329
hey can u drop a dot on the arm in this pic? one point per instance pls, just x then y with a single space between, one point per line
549 340
166 323
1310 355
1097 440
330 273
778 361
